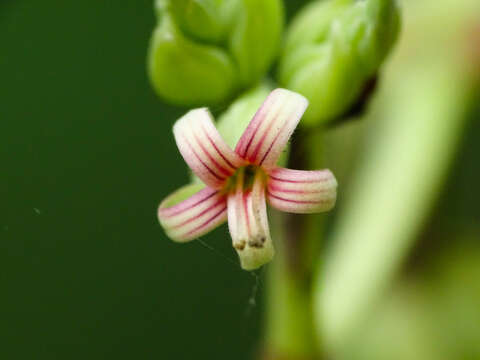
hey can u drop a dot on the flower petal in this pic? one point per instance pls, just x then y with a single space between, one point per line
201 211
267 134
298 191
204 150
248 224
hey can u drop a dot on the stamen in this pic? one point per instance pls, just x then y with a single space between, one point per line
247 218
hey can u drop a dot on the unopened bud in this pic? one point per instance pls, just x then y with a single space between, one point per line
204 51
333 50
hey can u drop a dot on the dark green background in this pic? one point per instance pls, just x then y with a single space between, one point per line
86 155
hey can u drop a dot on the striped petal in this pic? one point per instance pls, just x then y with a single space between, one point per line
191 212
204 150
267 134
248 223
298 191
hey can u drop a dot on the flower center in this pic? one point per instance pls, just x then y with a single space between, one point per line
243 178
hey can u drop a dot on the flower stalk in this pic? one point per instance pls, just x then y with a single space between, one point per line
290 325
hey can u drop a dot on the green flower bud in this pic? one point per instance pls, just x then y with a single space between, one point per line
204 51
333 50
201 20
184 72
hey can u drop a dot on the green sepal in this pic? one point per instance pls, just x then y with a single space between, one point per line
182 194
185 72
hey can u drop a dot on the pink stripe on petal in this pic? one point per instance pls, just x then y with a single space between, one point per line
225 172
256 133
203 148
256 156
293 111
247 212
299 191
219 203
215 146
194 216
248 224
300 207
198 163
269 131
187 204
215 220
300 176
299 202
230 157
204 160
272 143
246 139
275 188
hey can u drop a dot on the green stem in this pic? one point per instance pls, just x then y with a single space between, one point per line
290 322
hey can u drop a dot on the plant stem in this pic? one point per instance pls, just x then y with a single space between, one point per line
290 323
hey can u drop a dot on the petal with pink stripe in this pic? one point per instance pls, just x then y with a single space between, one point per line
204 150
190 212
298 191
248 223
270 129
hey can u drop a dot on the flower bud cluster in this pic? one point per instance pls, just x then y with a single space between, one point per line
333 50
204 51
